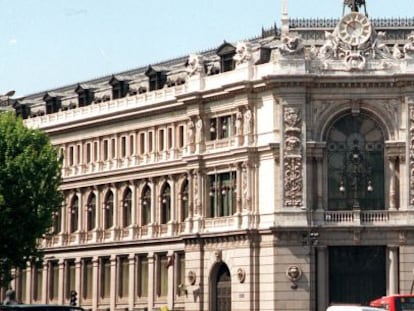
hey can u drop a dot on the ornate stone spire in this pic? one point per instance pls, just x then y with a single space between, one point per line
285 18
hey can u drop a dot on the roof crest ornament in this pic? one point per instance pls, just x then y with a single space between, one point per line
355 6
285 18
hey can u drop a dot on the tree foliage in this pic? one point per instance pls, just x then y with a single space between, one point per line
30 176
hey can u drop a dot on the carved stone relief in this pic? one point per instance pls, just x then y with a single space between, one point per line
411 155
292 157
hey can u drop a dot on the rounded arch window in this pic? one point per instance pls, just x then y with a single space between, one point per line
165 215
74 214
146 205
127 208
109 210
355 152
184 200
91 212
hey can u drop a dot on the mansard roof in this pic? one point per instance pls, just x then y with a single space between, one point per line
311 31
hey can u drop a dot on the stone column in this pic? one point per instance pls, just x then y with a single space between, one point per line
392 179
322 277
114 281
62 281
45 281
153 200
392 287
78 277
95 282
151 280
319 184
171 291
29 284
131 281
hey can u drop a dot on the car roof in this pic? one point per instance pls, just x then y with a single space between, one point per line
40 307
352 308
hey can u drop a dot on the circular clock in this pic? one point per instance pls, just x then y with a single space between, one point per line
354 29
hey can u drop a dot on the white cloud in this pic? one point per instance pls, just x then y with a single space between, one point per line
12 41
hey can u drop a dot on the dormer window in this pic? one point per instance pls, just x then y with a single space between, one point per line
157 78
120 87
22 110
53 103
226 52
85 95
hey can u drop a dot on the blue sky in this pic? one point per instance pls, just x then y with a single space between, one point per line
45 44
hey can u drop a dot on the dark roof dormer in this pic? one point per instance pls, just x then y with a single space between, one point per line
226 52
120 86
85 95
53 102
157 77
21 109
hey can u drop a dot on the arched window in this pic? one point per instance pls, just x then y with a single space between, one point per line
146 205
355 150
91 212
57 221
74 214
109 210
127 208
165 213
184 201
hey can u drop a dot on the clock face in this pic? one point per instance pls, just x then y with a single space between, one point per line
354 29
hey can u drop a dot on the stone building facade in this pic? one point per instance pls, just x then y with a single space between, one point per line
270 174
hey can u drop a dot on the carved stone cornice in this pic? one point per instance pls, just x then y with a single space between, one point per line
395 149
315 149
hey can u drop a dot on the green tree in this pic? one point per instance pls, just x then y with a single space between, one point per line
30 176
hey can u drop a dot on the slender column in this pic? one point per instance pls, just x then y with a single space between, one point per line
190 195
392 177
153 199
131 280
151 280
322 278
95 282
319 184
45 281
78 277
170 293
62 282
134 205
239 177
392 270
29 284
114 281
116 208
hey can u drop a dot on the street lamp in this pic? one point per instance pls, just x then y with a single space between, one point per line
356 172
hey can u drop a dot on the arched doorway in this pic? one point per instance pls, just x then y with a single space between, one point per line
355 152
220 297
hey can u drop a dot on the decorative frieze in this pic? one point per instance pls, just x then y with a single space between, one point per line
411 155
293 157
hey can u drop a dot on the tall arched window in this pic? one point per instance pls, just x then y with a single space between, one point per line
127 208
109 210
165 213
74 214
184 201
57 221
146 205
91 212
355 150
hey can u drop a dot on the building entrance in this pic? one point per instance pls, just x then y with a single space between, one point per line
221 289
356 274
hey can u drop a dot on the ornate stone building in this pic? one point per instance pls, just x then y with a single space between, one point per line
275 173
